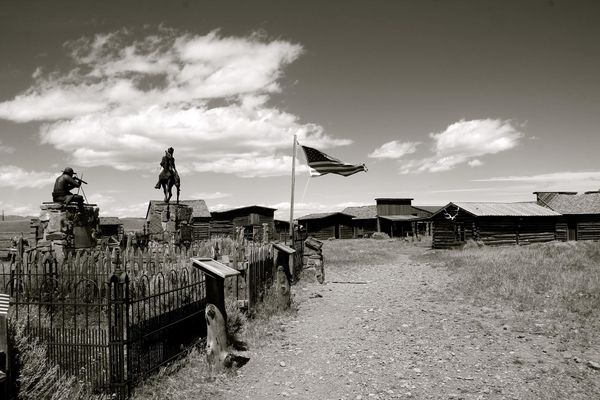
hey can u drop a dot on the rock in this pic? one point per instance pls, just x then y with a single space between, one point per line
593 365
282 363
309 275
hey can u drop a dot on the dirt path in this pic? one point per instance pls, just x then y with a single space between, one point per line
405 334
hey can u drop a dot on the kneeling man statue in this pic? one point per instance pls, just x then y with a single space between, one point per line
62 188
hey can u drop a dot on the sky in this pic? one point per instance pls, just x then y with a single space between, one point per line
442 100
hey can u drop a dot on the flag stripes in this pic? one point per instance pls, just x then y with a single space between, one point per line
4 302
321 164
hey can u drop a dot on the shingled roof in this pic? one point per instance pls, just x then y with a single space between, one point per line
322 215
488 209
571 202
199 208
362 212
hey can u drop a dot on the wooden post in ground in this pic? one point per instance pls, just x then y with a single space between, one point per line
282 290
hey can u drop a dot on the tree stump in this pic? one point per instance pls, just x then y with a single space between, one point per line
216 339
282 290
218 352
318 263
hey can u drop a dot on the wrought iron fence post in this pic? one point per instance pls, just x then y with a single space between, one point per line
117 315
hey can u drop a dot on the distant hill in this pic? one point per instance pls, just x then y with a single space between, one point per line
133 224
16 218
15 226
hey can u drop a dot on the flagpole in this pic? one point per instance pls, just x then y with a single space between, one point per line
292 197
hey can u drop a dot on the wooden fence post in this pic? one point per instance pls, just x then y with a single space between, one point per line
117 324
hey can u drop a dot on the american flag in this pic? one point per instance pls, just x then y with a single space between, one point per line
4 302
321 164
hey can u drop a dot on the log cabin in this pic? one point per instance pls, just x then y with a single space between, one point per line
581 213
323 226
493 224
251 218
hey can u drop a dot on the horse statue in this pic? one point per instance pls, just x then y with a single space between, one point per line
169 176
167 186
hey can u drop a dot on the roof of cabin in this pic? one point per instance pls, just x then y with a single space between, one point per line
362 212
395 218
571 202
322 215
431 209
199 208
489 209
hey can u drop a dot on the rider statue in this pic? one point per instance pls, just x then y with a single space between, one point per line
168 174
62 188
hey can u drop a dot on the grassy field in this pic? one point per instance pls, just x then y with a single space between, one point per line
560 281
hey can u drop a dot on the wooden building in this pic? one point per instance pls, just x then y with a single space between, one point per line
493 224
364 221
581 213
111 226
282 230
199 219
399 218
251 218
323 226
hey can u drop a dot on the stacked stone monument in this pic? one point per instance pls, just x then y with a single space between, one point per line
313 259
170 223
65 227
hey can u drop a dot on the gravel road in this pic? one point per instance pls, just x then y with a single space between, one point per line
406 333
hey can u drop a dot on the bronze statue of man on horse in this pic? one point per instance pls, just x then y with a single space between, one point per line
169 176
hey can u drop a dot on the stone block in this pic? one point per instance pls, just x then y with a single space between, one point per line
56 221
56 236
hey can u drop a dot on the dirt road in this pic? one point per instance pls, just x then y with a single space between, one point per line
406 333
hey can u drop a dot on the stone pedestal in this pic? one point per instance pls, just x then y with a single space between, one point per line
170 223
65 227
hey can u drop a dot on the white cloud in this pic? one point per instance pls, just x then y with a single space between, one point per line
6 149
466 142
209 196
125 101
557 177
394 149
16 177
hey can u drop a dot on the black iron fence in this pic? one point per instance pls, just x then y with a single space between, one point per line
111 319
107 329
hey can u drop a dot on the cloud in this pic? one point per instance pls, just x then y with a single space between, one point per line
17 178
466 142
6 149
555 177
126 100
209 196
394 149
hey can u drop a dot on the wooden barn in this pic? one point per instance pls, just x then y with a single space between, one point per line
364 221
111 226
493 224
399 218
323 226
252 218
200 217
581 213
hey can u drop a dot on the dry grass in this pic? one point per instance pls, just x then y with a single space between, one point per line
355 254
194 381
559 280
